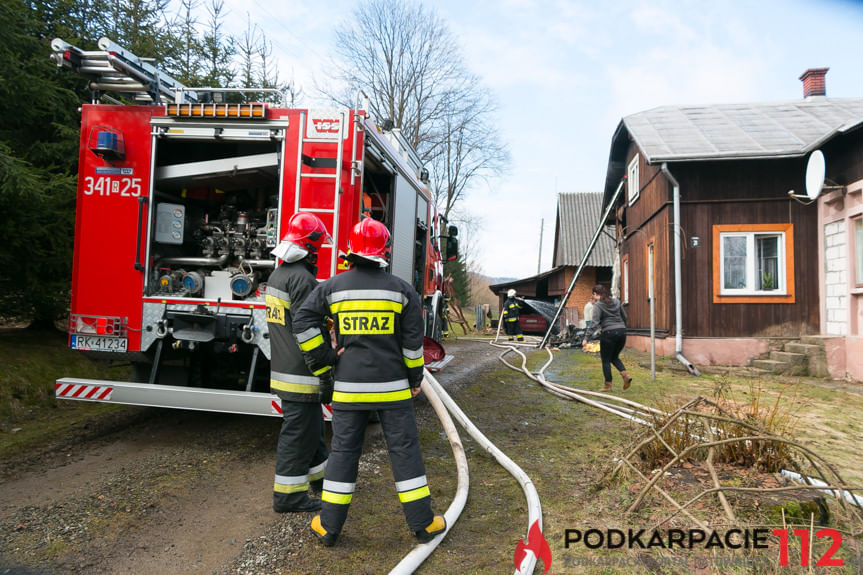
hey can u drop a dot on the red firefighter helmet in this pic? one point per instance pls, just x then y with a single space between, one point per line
307 231
370 239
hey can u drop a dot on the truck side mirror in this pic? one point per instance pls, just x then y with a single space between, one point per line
452 244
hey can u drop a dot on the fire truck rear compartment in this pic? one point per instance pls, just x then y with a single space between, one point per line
214 219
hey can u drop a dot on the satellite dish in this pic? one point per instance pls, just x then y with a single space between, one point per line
815 172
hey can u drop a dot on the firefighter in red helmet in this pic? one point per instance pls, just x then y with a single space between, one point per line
302 453
378 367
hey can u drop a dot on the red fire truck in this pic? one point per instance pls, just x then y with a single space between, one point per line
182 195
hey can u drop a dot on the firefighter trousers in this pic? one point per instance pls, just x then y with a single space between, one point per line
402 438
301 455
513 328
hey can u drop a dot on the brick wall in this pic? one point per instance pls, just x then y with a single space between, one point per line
835 277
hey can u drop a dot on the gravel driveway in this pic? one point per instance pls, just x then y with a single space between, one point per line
168 492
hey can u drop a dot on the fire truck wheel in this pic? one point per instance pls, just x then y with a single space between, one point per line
434 322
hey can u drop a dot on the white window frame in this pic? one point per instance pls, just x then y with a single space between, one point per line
633 186
751 264
625 278
857 221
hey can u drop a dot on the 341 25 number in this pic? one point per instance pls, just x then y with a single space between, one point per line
108 186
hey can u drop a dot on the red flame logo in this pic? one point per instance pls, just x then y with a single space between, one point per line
535 542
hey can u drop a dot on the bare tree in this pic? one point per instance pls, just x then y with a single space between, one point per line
248 45
468 148
269 73
404 57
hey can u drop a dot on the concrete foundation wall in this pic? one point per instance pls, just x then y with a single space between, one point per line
706 351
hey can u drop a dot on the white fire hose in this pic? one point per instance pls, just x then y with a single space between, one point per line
420 553
433 389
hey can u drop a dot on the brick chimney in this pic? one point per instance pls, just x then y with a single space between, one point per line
813 82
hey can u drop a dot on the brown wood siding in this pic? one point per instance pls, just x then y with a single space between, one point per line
844 158
719 193
734 193
638 309
654 193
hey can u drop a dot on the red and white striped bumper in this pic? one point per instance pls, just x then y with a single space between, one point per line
78 391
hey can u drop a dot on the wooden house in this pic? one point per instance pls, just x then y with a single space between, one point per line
746 252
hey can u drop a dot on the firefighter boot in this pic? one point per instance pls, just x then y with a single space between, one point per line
307 504
326 538
432 530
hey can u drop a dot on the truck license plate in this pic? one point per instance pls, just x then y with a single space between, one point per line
98 343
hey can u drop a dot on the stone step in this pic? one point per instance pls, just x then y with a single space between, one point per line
770 365
812 340
809 349
779 367
788 357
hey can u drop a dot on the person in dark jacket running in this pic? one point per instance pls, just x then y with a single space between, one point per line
511 310
302 453
378 367
609 319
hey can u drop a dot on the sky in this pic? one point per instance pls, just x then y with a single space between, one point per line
565 72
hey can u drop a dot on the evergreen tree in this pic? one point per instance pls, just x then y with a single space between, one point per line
218 48
38 152
142 27
187 67
457 268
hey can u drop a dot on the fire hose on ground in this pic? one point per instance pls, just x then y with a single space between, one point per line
444 406
627 413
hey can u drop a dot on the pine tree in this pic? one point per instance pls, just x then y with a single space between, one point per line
187 67
38 152
457 268
218 48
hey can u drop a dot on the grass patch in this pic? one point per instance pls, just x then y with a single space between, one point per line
30 362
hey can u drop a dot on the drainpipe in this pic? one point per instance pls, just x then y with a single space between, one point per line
678 282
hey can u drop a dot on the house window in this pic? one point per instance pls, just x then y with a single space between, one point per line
858 251
753 263
625 291
632 184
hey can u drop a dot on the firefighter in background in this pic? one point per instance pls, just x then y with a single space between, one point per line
378 367
511 309
302 453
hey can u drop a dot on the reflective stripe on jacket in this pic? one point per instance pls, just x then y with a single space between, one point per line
379 323
511 309
288 287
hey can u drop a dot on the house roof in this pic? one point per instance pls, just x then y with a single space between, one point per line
761 130
497 288
577 218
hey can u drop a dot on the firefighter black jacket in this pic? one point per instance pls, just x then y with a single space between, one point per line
290 378
379 324
511 308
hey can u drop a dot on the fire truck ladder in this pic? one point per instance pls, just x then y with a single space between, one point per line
115 69
322 162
